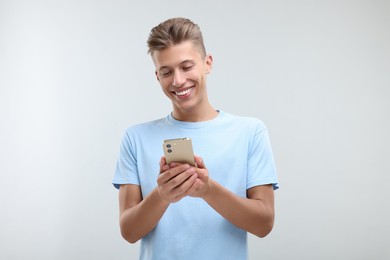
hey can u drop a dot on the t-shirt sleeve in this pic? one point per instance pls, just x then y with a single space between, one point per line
126 168
261 165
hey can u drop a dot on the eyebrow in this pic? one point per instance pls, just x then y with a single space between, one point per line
181 63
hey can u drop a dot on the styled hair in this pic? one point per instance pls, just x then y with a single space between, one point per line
174 31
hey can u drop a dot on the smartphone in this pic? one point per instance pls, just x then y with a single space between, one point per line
179 150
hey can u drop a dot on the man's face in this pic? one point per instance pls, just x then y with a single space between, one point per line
181 71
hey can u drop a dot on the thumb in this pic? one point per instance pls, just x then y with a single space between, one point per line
199 162
163 166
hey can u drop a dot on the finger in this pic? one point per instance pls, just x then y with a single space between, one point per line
194 185
170 173
175 164
199 162
176 188
165 168
162 163
181 178
187 187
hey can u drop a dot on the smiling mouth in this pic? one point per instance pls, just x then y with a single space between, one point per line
183 92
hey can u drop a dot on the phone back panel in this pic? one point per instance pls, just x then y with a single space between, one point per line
179 150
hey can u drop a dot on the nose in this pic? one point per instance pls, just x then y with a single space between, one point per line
178 79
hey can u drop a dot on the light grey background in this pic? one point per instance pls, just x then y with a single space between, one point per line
75 74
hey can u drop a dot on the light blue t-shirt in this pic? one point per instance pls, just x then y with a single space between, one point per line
237 153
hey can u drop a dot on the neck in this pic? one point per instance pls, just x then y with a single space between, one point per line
199 115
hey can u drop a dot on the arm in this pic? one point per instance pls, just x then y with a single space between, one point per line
138 216
254 214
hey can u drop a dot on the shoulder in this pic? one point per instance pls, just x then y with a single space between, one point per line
146 126
143 130
246 122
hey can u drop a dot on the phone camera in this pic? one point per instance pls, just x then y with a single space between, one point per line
169 150
168 146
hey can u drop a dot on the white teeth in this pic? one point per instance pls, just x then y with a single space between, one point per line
181 93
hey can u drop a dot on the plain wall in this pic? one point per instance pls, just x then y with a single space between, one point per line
75 74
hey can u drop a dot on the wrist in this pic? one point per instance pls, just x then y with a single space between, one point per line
160 199
209 192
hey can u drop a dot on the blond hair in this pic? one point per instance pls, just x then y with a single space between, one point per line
174 31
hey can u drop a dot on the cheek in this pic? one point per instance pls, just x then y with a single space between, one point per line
165 82
194 75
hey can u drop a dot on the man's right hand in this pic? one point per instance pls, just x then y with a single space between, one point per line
176 180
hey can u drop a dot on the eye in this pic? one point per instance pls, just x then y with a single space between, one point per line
187 67
166 73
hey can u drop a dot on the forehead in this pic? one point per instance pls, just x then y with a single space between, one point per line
176 54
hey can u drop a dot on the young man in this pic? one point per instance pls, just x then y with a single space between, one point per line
178 210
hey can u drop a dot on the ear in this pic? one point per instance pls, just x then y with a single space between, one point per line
209 63
158 79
